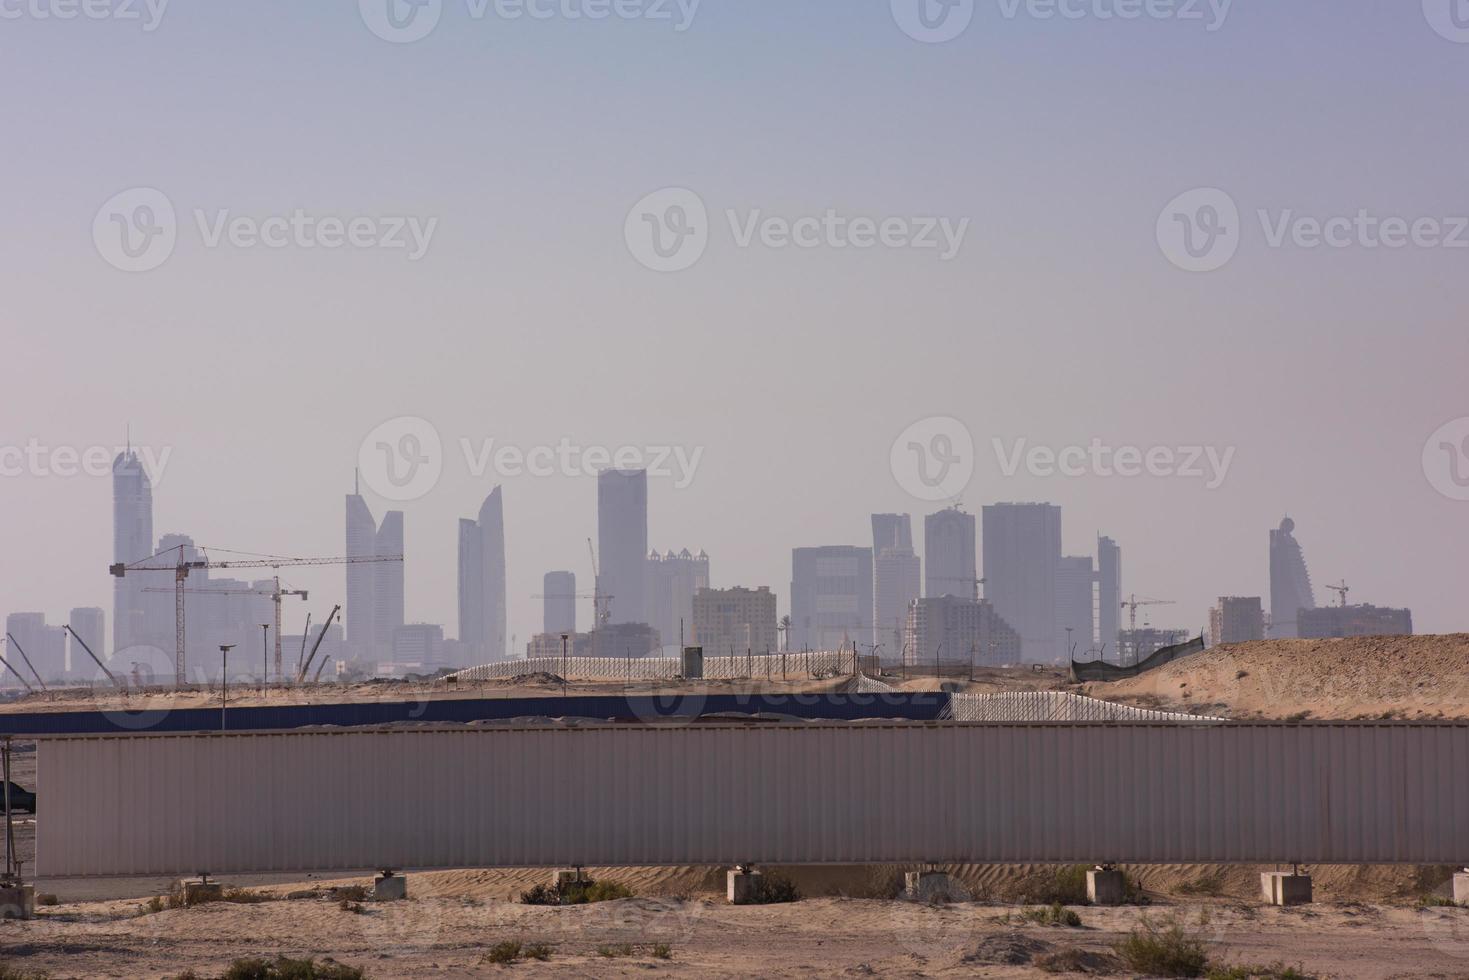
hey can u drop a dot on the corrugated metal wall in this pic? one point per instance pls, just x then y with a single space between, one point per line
1339 793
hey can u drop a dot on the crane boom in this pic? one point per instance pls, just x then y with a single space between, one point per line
183 566
98 662
21 650
317 645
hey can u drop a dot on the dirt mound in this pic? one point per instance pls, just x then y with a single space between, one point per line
1006 949
1369 677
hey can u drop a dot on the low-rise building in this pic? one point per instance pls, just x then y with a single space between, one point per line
1237 619
735 621
1329 622
951 629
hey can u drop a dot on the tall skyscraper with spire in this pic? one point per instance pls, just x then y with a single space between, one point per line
896 577
482 617
132 540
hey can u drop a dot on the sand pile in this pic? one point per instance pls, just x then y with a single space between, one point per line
1410 677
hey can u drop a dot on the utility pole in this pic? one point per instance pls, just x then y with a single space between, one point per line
224 682
265 653
565 637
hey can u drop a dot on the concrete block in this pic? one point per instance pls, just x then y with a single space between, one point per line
390 888
1106 887
18 902
562 879
1461 888
198 891
1284 888
744 887
929 887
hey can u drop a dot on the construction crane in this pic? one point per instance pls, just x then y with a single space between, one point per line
1133 603
182 565
601 604
1341 590
275 595
6 664
301 676
21 650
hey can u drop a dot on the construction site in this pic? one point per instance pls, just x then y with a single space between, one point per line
1280 804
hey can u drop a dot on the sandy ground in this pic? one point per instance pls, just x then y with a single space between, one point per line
1416 677
453 918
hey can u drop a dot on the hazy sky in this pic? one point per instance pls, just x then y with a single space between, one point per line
529 320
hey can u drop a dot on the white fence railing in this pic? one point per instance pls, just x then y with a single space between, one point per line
763 666
1053 706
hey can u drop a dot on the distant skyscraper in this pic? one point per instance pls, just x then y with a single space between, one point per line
1290 581
896 574
949 554
622 542
1022 555
374 608
482 580
831 597
1109 595
132 540
1075 602
358 617
559 603
673 580
387 584
90 625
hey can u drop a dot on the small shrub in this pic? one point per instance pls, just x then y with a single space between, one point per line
47 900
285 968
776 889
1278 971
540 895
1437 902
1163 952
1210 887
662 951
1070 961
615 951
1064 885
504 952
243 896
352 893
349 906
600 891
537 951
15 973
1052 915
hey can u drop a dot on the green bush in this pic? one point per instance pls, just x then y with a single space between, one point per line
662 951
1066 885
615 951
540 895
575 893
1278 971
504 952
285 968
1052 915
776 889
1163 952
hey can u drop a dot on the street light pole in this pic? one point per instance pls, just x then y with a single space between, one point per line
265 654
224 682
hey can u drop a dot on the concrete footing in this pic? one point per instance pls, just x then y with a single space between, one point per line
1285 888
565 878
1461 887
390 887
18 902
197 891
1105 886
928 887
744 886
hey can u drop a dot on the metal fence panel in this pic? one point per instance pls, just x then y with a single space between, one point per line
724 794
